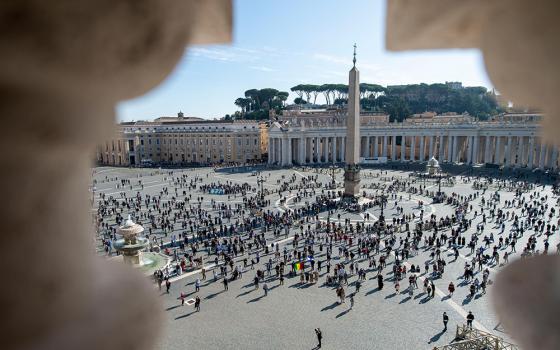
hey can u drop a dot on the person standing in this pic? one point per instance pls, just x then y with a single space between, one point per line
182 297
265 288
167 285
470 319
445 321
319 336
225 284
197 304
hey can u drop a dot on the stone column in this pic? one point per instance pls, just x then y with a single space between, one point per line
375 146
270 151
283 151
476 141
508 151
301 148
520 152
422 155
499 154
326 149
487 149
308 147
272 142
343 149
385 146
449 147
278 151
530 152
553 162
365 152
413 148
317 150
394 147
542 154
403 148
431 154
454 156
441 148
334 149
468 149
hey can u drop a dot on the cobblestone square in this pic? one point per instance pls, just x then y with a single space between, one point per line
173 204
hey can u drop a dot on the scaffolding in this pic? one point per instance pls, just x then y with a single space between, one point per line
475 339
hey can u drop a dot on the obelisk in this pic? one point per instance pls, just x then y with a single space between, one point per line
352 168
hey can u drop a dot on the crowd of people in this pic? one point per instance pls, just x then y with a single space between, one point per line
236 233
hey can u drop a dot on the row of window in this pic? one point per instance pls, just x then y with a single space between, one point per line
182 128
200 142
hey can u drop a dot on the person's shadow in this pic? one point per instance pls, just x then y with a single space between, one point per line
436 337
343 313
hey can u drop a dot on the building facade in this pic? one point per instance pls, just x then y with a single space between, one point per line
182 140
505 140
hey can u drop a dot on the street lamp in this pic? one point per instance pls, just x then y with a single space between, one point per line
382 203
439 185
333 180
260 181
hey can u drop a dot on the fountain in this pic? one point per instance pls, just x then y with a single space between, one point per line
132 245
433 166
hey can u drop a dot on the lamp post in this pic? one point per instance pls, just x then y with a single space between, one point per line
439 184
260 181
333 180
382 203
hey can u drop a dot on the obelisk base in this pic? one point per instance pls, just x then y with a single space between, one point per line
351 181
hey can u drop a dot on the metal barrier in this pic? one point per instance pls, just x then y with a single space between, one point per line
475 339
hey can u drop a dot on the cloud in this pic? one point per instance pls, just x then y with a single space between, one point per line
262 68
229 54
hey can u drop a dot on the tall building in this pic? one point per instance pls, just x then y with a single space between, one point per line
184 140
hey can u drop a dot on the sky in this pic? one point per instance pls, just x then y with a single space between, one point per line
280 44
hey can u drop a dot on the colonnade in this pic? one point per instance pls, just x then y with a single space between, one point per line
525 149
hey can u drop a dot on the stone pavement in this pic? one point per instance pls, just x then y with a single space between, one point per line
242 318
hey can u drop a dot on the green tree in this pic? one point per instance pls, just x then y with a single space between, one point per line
298 89
243 103
253 95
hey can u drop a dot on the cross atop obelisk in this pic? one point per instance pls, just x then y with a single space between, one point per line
352 169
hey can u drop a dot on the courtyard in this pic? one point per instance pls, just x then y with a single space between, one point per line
243 317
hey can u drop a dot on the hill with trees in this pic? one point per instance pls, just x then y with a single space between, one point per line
398 101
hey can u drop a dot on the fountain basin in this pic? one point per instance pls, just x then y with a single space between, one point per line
148 262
